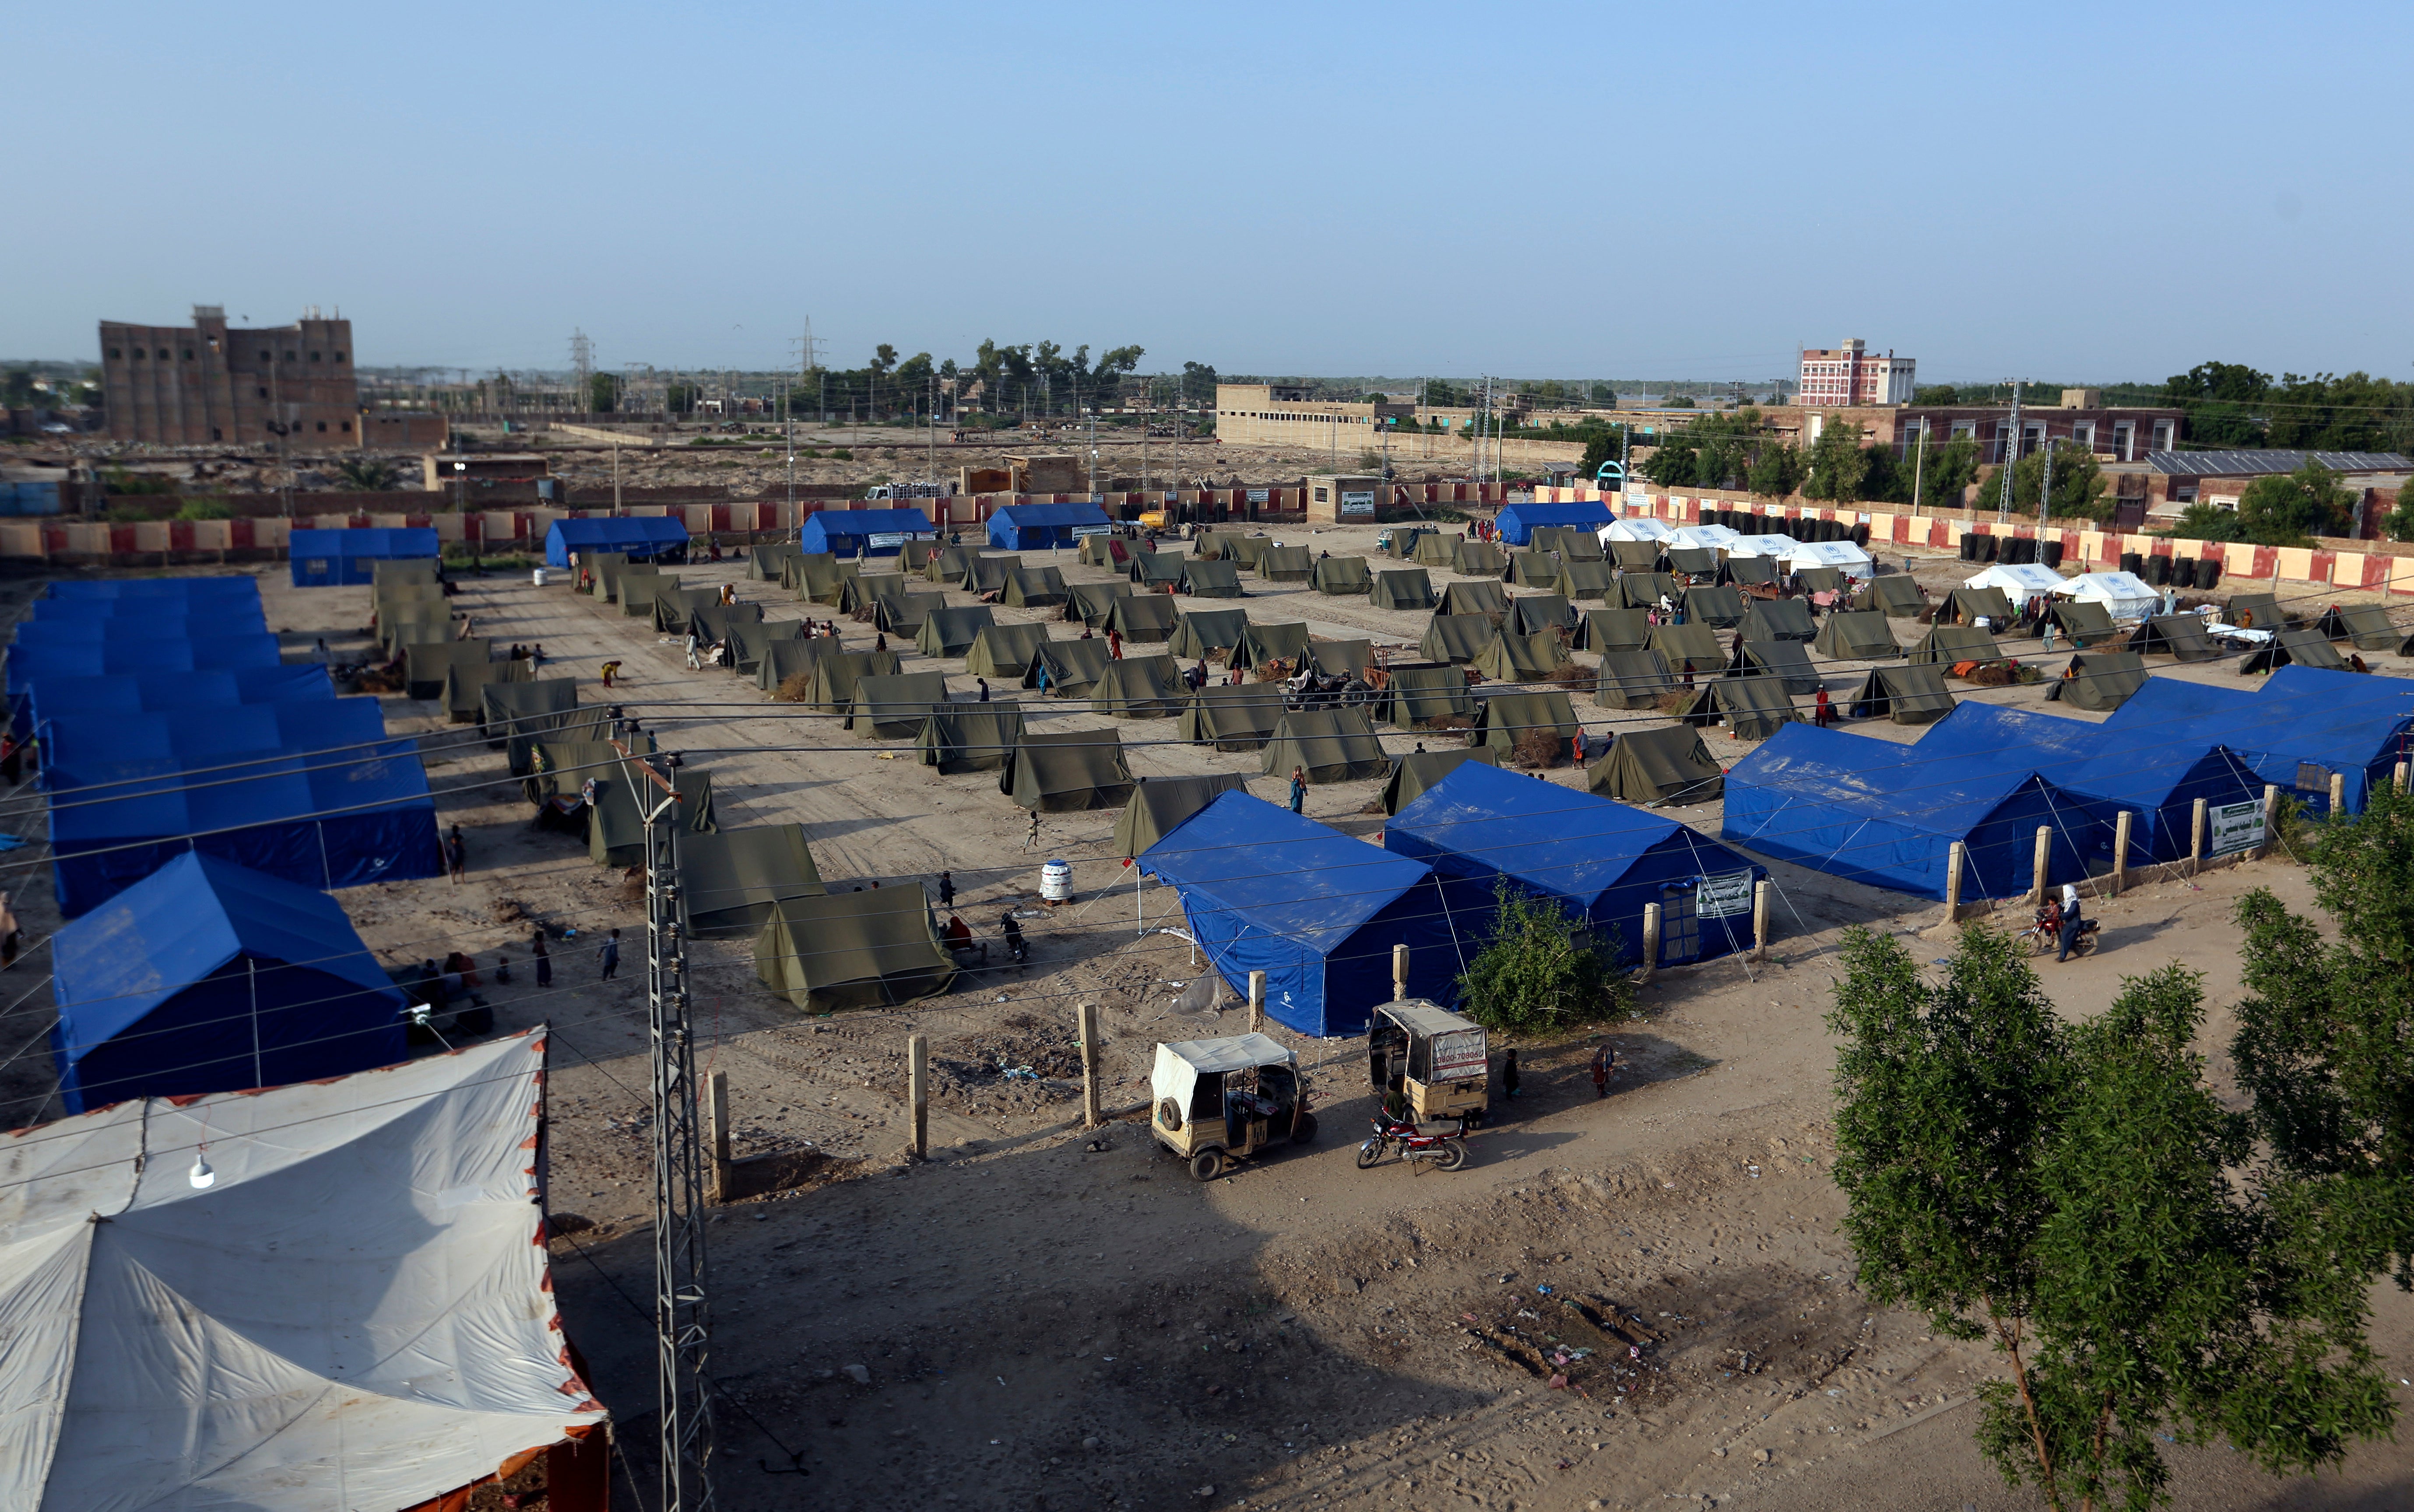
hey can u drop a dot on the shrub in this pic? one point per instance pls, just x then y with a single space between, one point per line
1544 971
794 686
205 509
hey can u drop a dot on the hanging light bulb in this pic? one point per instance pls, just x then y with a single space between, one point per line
202 1175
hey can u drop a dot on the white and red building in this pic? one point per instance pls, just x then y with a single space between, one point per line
1852 375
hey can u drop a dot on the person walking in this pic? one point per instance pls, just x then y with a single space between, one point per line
543 960
1298 789
2049 628
947 889
1823 713
1603 1060
694 661
1031 834
610 954
1510 1080
457 856
1115 645
984 689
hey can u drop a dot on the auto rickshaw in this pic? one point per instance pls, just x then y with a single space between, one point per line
1225 1100
1436 1062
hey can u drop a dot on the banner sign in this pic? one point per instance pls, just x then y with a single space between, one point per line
2235 827
1724 896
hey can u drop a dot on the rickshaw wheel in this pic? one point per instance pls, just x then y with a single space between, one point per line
1302 1129
1207 1165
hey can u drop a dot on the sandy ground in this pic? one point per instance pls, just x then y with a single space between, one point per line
1043 1318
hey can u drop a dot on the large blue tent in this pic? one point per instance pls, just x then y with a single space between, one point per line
233 603
2154 774
1600 860
1041 527
315 793
108 657
206 977
157 692
641 538
332 559
108 589
1519 521
871 532
1884 814
193 623
1266 890
2303 725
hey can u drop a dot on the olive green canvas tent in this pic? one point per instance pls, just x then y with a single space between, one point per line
1698 562
1483 599
969 738
782 660
1329 745
949 564
1140 688
1261 643
1480 559
1150 569
1503 719
730 881
1242 551
1402 587
1584 580
1203 632
561 765
2100 680
1232 716
1779 619
1212 580
2179 636
1033 588
1968 605
1634 555
893 707
1643 590
1905 694
1533 569
950 632
1158 804
914 554
1433 549
1508 658
1631 679
2257 610
413 624
1666 764
2367 624
1415 697
673 607
1573 543
1340 659
616 825
831 685
1819 579
599 565
2086 624
2294 648
1069 770
1213 545
1004 650
1787 661
1615 630
1091 603
403 570
1286 564
1749 572
1102 551
720 622
1689 648
1721 608
902 615
1342 575
635 591
1752 708
426 665
985 575
1861 635
1897 598
764 564
1412 775
859 591
1457 638
1531 612
1399 543
874 949
1067 669
799 568
519 714
1949 646
465 685
1143 617
821 577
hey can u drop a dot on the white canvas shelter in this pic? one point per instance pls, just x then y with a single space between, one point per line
1709 537
1778 547
1635 528
2018 580
325 1296
1841 555
2124 594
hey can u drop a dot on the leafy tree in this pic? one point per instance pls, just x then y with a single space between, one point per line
1835 464
681 397
2306 502
1680 401
1604 395
17 388
1776 472
602 392
2401 519
1197 383
1441 395
1935 393
2067 1194
2080 490
1602 443
1944 471
1544 969
373 475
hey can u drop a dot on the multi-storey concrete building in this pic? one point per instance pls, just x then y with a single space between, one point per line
1850 376
193 385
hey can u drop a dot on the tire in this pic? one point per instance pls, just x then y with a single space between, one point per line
1302 1129
1452 1156
1169 1116
1207 1166
1370 1154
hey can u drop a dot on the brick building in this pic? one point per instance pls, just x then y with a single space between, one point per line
1850 376
1279 414
193 385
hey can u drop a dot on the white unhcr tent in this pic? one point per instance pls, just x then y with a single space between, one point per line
1635 528
1842 555
1705 536
2124 594
2020 581
328 1296
1776 547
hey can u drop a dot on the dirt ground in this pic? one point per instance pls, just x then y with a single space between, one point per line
1043 1318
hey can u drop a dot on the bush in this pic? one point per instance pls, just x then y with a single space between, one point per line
842 453
205 509
794 686
1544 971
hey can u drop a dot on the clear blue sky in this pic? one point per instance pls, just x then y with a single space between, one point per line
2061 191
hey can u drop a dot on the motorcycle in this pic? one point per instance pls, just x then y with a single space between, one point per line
2043 939
1441 1142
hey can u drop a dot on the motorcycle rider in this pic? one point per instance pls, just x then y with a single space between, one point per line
2070 920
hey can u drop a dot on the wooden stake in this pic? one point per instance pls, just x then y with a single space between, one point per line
1952 883
1256 1003
1650 941
917 1090
2270 818
1086 1019
2123 824
1760 891
2200 823
1399 973
2338 795
2399 777
2042 862
716 1130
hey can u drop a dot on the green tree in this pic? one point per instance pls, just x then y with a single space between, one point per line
1670 463
602 392
2080 490
681 397
1197 383
2285 509
2078 1197
1545 969
1602 443
2401 519
1604 395
1776 472
1835 464
1935 393
1944 471
373 475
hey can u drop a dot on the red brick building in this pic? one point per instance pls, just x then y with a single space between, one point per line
207 382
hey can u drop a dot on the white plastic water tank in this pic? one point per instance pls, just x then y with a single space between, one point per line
1056 882
537 577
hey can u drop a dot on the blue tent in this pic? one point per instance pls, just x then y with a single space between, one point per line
110 657
641 538
205 977
1040 526
160 625
111 590
1884 814
330 559
315 793
1317 911
2157 775
157 692
846 532
234 602
1518 522
2303 725
1599 859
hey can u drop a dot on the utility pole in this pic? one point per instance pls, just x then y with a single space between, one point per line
932 451
581 369
2011 457
2044 490
1919 461
788 420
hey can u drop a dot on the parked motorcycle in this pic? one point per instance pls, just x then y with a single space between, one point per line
1441 1141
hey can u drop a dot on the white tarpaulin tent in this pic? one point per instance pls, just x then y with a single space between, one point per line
1778 547
1842 555
2020 581
328 1296
1635 528
1705 537
2124 594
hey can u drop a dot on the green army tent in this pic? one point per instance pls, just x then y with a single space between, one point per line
1897 597
985 575
894 707
750 638
2293 648
1433 549
731 881
1721 608
559 765
801 570
1069 770
1339 576
426 665
413 624
874 949
1209 545
465 685
1284 564
720 622
1752 708
1699 564
914 554
1402 587
1033 588
1615 630
1399 543
1508 658
1856 635
598 568
1968 605
1531 612
969 738
615 826
859 592
2179 636
1584 580
1154 569
903 615
831 684
673 606
2257 610
1480 559
636 588
949 564
1787 661
1689 648
1340 659
1819 579
1232 715
2086 624
1243 550
1573 543
1091 603
1533 569
949 630
1949 646
1483 599
1261 643
1158 804
1503 719
1905 694
2100 680
1415 697
1140 688
1643 590
1779 619
403 570
1212 580
1205 631
782 660
764 564
1457 638
1004 650
1329 745
1749 572
1631 679
519 714
1634 555
1666 764
1143 617
1414 774
1102 551
1067 669
2367 624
